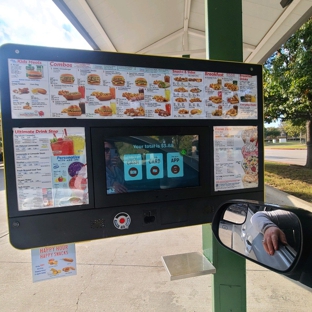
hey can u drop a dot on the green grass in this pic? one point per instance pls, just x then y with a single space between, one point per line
286 145
294 180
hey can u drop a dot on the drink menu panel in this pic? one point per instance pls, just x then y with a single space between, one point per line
49 89
235 157
50 167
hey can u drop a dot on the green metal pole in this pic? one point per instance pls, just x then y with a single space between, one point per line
225 42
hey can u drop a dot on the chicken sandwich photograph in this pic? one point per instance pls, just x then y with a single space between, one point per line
105 111
74 110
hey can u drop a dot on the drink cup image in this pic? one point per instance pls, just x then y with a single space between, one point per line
167 94
79 144
82 106
113 107
168 108
112 91
82 91
62 146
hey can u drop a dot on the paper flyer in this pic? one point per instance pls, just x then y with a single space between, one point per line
235 157
53 262
51 167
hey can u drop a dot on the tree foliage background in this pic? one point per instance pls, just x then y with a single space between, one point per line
288 83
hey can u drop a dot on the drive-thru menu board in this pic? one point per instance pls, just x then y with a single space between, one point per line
50 166
235 157
53 89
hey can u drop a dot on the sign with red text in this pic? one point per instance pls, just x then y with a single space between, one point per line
51 167
52 89
53 261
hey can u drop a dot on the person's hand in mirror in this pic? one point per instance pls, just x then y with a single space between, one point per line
272 237
278 227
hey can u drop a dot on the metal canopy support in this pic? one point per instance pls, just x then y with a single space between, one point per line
225 42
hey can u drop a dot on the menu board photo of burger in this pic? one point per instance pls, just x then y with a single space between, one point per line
118 80
67 79
93 79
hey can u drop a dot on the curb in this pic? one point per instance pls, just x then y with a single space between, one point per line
282 198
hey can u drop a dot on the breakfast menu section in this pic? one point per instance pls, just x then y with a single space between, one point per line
53 89
235 157
50 167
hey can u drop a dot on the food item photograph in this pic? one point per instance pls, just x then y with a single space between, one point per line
233 99
118 80
102 96
215 86
69 96
62 146
139 96
180 89
105 111
67 79
27 106
231 86
218 111
183 111
163 112
196 111
39 91
232 112
134 112
180 79
140 82
21 91
32 74
162 84
93 79
160 98
74 110
216 99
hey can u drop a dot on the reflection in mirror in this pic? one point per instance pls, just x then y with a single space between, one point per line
271 238
236 213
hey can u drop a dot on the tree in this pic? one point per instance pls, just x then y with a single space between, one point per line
272 132
293 130
288 83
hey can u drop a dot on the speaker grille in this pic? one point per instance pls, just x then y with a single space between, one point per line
97 224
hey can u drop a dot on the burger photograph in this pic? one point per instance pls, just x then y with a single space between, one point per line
74 110
67 79
140 82
93 79
118 80
32 74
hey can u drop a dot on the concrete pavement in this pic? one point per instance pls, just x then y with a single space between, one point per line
126 274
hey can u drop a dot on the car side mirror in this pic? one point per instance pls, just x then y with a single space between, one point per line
276 237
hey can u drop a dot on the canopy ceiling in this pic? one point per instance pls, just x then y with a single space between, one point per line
177 27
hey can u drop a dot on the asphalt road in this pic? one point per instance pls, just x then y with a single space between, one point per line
295 157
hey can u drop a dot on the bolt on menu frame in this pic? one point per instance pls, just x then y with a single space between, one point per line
186 134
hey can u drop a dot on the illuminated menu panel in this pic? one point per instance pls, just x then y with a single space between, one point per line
48 89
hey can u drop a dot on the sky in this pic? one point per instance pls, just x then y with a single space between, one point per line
37 22
40 22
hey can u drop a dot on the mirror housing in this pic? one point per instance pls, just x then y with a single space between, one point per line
276 237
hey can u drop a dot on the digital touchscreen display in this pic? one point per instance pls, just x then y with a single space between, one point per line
145 163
